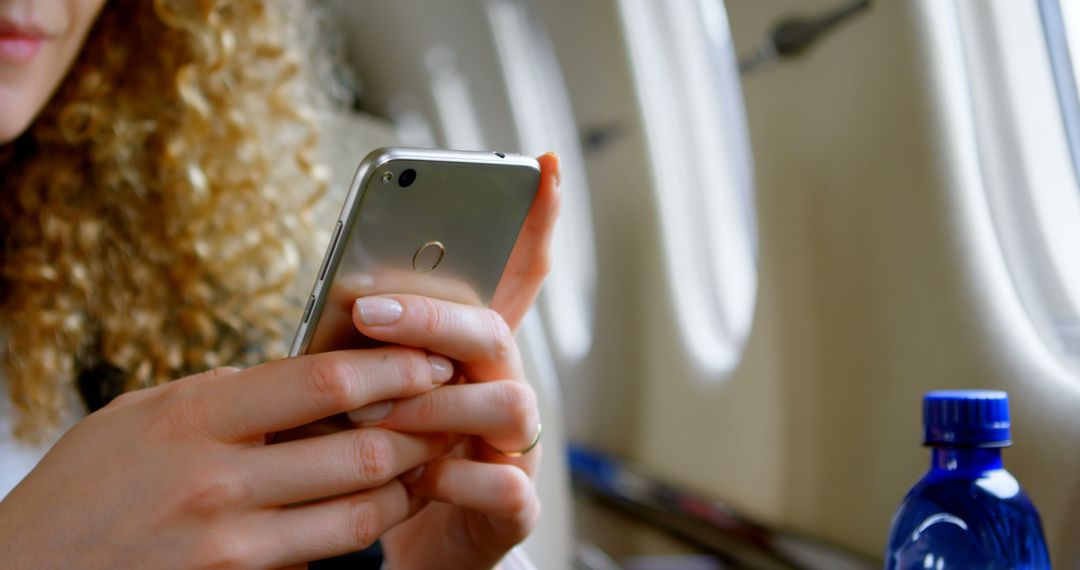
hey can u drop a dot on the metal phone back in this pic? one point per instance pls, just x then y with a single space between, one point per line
430 222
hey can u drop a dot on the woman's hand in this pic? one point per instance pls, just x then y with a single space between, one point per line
485 501
530 259
178 476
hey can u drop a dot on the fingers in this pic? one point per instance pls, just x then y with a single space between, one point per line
503 414
344 462
334 527
530 259
288 393
474 336
504 493
545 208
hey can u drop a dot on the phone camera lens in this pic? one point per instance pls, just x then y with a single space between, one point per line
406 178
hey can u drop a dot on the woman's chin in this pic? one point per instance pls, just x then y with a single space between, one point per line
10 129
12 120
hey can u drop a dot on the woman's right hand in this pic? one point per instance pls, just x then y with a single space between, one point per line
178 475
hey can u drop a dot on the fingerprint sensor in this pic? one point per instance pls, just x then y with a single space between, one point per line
428 257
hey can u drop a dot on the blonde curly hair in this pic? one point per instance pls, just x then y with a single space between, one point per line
153 217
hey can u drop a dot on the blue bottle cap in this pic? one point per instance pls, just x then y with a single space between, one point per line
966 418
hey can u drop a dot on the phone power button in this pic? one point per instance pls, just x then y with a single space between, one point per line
330 251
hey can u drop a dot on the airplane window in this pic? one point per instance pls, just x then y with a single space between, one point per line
1063 31
1023 93
687 83
1062 24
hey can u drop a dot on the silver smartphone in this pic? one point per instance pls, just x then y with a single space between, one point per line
438 223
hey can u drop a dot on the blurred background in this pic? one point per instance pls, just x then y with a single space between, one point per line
783 223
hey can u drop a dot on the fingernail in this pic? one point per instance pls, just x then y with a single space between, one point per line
441 368
413 476
379 311
371 413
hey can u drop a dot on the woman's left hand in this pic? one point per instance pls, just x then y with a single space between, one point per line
530 259
485 502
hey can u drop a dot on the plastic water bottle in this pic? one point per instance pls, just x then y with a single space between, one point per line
967 511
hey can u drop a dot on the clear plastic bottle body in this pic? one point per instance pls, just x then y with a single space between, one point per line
966 512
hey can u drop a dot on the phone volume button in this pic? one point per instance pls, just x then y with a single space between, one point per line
330 251
307 309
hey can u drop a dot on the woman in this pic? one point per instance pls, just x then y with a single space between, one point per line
157 176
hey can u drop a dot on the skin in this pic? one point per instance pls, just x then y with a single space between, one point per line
189 481
25 86
487 501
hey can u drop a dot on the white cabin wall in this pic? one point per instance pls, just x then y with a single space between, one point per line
877 283
897 289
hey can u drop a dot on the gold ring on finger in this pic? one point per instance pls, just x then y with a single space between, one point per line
519 453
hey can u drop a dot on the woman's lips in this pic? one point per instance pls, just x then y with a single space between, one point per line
19 50
19 44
